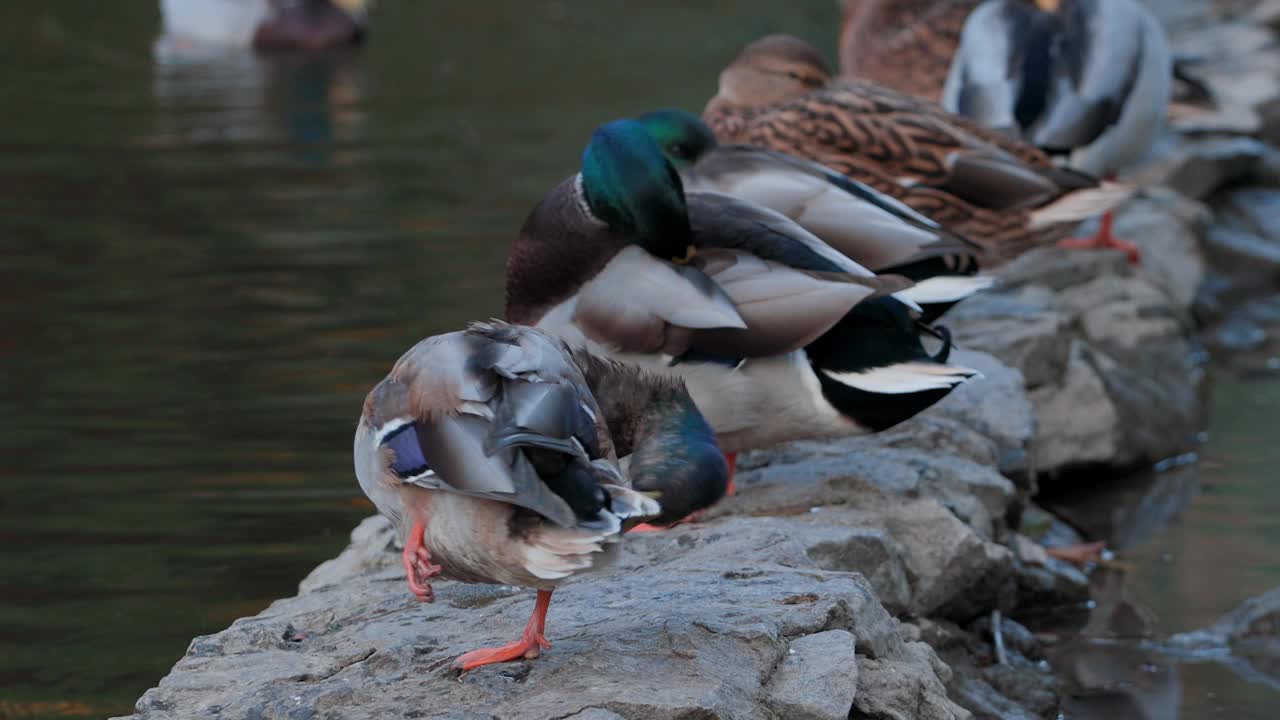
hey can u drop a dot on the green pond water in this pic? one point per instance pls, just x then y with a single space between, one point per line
205 262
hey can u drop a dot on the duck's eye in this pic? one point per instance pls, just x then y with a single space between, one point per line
795 75
679 150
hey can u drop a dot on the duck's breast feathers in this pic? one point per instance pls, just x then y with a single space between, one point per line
1102 46
1062 79
983 81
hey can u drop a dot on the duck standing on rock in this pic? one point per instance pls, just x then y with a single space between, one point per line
777 335
490 453
869 227
1089 80
996 190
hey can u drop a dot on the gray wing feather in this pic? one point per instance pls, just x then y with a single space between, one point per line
638 303
456 448
871 229
722 221
784 308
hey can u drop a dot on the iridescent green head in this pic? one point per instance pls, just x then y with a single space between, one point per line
630 186
682 135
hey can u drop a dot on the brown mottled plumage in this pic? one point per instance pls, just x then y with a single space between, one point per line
904 45
1001 192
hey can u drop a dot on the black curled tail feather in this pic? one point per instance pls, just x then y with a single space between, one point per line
873 367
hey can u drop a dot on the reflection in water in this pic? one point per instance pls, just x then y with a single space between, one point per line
1196 539
310 101
1126 511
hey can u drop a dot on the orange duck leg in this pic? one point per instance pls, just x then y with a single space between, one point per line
417 564
531 642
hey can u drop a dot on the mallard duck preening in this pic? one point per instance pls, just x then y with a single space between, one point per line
490 453
1088 80
266 24
777 335
904 45
996 190
872 229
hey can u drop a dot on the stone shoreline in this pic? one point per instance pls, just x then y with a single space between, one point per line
852 579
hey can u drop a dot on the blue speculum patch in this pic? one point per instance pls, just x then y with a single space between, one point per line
409 461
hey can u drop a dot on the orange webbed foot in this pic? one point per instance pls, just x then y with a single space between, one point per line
1079 554
1104 239
529 646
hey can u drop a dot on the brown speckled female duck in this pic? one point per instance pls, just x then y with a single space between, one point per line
1000 192
904 45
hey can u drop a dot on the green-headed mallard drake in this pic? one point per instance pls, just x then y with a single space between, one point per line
777 335
996 190
904 45
1089 80
492 456
266 24
872 229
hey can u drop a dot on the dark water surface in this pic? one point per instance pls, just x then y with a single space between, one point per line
1194 540
207 261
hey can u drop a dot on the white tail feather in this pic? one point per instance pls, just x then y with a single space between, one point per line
905 378
1082 205
628 503
547 564
947 288
902 297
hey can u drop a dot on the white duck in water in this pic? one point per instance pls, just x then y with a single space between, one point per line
1089 80
489 451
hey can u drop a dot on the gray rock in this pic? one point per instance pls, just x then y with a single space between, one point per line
693 622
1104 349
1168 228
595 714
995 406
817 680
1021 326
920 527
1198 167
1081 414
882 692
1243 241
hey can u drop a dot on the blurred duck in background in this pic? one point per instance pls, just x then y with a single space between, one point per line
904 45
995 189
1085 80
265 24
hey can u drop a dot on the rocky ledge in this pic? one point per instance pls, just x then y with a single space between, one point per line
879 577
